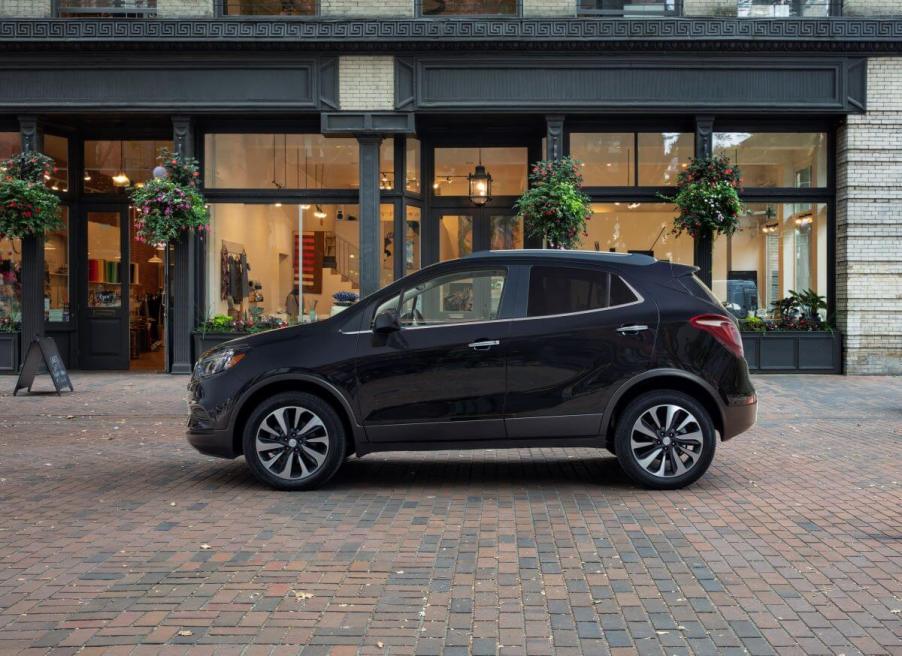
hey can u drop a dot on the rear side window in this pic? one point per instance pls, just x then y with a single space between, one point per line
564 290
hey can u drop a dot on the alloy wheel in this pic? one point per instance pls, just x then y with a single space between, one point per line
666 440
292 442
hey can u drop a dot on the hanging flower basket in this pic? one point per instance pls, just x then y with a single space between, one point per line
707 197
554 207
170 204
27 207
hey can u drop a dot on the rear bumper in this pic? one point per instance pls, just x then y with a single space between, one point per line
738 418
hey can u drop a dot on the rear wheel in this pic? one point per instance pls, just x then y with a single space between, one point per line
665 440
294 441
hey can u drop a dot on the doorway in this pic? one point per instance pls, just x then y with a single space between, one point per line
122 291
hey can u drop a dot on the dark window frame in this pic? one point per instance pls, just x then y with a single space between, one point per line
607 13
219 12
109 10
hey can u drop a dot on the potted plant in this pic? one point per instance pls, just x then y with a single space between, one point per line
342 300
9 344
221 328
170 204
707 198
554 207
796 339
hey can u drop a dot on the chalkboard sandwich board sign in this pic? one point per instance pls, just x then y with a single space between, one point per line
43 358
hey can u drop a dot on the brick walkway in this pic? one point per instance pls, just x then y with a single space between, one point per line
116 537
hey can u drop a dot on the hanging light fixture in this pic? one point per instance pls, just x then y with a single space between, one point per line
480 184
121 178
319 213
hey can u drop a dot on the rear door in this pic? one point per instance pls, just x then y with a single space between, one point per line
583 331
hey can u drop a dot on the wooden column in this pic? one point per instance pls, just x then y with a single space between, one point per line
180 283
370 239
32 251
704 246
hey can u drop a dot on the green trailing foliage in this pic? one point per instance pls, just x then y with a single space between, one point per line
554 208
707 198
27 207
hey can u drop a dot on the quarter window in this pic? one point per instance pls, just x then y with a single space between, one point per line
454 298
562 290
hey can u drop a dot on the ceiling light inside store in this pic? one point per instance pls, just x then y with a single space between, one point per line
121 179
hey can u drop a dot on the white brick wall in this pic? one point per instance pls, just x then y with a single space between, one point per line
366 83
869 226
25 8
184 8
545 8
366 8
709 7
872 8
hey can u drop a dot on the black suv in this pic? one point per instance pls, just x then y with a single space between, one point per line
499 349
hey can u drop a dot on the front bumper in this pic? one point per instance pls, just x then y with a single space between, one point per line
739 418
208 432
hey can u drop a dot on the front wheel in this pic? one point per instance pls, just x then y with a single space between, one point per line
665 440
294 441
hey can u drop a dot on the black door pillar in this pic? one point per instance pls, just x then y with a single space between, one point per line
554 136
180 288
370 239
32 250
704 245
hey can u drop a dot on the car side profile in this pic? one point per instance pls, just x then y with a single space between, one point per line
496 350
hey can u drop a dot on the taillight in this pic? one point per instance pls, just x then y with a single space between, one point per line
722 329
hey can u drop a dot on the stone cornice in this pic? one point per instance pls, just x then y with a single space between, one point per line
859 35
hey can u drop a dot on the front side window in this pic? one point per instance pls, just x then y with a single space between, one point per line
796 160
468 7
454 298
563 290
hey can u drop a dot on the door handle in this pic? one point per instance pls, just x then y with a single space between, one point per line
633 329
483 344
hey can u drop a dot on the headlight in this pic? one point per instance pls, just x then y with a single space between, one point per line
217 362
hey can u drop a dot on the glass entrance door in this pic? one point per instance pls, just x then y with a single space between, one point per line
465 232
103 325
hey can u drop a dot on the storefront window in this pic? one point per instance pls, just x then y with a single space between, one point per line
114 166
455 237
606 158
779 247
609 159
507 166
269 7
776 159
662 155
506 232
281 261
10 144
387 165
280 161
413 165
468 7
10 280
412 239
389 244
626 7
58 148
56 264
637 228
784 8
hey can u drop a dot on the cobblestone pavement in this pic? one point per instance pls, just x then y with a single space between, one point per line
116 537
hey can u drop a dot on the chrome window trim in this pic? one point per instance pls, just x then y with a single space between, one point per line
639 299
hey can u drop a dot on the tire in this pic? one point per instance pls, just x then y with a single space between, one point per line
687 443
287 457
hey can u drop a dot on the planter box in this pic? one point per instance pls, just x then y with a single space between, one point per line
793 352
205 341
9 352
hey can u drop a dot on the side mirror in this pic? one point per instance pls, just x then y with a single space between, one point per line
386 321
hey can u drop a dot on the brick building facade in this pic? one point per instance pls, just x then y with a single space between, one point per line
378 111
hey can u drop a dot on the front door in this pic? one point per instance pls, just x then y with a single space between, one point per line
442 375
462 232
103 289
